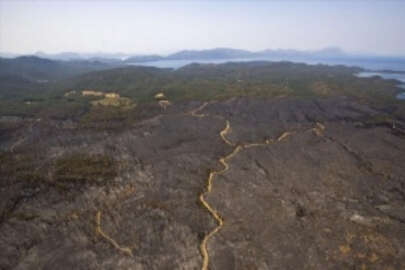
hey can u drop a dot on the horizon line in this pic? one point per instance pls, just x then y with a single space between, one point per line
80 53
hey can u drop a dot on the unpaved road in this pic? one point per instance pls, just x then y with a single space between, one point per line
244 183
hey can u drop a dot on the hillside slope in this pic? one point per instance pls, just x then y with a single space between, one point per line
244 183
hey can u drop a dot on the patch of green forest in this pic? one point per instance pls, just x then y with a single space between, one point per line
20 96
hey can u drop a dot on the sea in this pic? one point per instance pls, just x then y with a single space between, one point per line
396 76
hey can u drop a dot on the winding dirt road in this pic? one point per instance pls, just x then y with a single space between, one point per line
237 148
125 250
223 160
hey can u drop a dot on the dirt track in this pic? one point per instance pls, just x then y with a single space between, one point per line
291 184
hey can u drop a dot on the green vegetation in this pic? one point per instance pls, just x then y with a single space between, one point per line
138 85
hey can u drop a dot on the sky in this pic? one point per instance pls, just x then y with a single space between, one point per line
140 27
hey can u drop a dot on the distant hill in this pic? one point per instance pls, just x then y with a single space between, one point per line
19 84
229 53
144 58
331 55
59 56
208 54
327 52
205 81
67 56
38 69
26 76
219 53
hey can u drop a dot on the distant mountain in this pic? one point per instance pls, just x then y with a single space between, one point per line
229 53
218 53
104 60
330 52
327 55
67 56
279 53
144 58
8 55
327 52
38 69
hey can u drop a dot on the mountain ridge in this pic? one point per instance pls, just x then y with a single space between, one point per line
204 54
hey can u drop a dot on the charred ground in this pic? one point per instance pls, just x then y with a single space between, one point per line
316 181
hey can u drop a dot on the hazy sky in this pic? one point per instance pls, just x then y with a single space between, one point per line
167 26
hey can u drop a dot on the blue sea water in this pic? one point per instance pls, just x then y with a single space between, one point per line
396 76
181 63
401 96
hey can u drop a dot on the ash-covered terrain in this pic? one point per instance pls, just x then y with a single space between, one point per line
241 183
234 166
